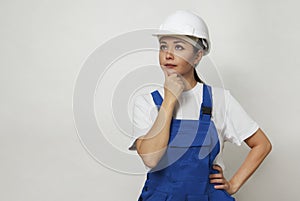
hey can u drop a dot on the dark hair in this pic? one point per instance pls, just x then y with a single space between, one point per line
197 77
199 46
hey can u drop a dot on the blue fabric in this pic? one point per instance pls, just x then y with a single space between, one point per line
182 174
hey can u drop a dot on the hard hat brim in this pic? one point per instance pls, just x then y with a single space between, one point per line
170 33
166 33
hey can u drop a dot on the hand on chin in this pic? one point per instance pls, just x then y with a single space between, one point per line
170 70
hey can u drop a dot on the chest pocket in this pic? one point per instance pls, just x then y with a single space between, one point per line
189 154
190 147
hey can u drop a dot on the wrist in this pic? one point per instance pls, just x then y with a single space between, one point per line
168 103
171 96
234 186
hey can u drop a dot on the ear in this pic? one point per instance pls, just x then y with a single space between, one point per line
198 57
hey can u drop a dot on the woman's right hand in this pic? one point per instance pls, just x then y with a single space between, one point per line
174 85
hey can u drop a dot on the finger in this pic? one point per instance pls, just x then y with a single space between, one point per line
179 80
219 181
223 186
173 75
169 70
214 176
217 167
165 72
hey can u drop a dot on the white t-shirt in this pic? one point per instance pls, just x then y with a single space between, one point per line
233 124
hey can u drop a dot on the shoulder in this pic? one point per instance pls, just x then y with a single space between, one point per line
220 95
222 100
219 90
145 99
142 100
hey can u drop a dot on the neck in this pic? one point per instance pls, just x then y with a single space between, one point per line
190 83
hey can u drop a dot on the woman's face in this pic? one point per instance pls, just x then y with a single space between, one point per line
178 55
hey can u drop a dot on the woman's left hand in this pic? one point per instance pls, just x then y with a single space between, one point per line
220 180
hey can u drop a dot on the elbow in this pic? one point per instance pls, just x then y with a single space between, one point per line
268 147
150 163
265 148
149 159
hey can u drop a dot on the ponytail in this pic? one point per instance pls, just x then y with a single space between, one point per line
199 46
197 77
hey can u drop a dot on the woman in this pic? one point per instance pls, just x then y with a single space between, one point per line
182 140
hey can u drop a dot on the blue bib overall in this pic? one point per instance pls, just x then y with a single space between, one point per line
182 174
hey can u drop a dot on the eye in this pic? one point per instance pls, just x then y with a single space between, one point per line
179 47
163 47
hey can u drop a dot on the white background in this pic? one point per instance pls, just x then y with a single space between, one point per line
44 44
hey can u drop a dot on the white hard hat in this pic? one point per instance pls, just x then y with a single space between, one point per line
186 23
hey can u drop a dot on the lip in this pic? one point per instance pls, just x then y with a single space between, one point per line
170 65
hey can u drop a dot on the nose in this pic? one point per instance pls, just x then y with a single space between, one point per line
169 55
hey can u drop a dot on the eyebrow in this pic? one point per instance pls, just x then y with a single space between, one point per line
179 41
176 41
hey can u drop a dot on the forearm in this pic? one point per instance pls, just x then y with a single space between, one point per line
152 146
254 158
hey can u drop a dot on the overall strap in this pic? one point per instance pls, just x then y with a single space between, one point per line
157 98
206 106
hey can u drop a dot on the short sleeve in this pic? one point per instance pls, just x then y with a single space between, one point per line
238 125
142 117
